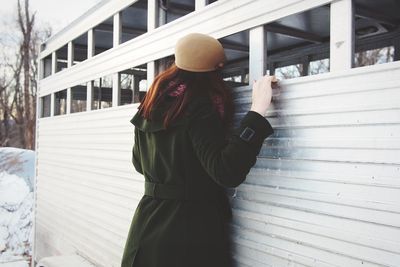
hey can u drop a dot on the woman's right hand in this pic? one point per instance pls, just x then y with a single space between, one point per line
262 94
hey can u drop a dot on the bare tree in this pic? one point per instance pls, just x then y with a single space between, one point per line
26 22
4 107
18 81
374 56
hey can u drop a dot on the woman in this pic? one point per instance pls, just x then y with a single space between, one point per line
185 151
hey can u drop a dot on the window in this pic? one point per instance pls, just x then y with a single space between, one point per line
46 104
376 32
134 20
318 66
236 68
288 72
374 56
170 10
102 92
78 98
60 102
80 48
62 58
298 44
47 66
133 83
163 64
103 36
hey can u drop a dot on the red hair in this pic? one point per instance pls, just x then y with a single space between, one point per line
208 84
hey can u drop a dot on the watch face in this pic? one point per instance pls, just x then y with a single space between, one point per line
247 134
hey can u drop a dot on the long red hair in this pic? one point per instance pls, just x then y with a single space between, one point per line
208 84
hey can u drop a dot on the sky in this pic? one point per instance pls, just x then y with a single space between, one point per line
57 13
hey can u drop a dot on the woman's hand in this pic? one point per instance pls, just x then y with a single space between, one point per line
262 94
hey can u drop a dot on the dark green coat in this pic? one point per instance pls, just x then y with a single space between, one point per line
194 156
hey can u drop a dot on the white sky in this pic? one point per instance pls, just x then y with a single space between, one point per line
57 13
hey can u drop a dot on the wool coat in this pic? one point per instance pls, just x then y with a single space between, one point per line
183 218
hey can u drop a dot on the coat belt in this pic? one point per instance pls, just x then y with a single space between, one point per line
167 191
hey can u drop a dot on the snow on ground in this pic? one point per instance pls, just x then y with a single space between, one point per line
16 206
15 264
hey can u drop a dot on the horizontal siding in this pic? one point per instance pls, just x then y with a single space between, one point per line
325 190
87 187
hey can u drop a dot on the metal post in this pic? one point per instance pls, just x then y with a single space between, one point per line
53 62
257 54
117 30
91 43
152 15
116 89
342 35
150 73
41 69
152 23
70 58
52 97
200 4
162 15
89 95
68 101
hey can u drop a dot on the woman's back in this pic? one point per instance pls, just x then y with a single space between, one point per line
187 160
184 211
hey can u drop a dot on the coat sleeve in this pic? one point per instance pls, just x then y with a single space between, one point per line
227 160
136 159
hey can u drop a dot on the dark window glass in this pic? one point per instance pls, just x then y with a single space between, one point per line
78 98
46 103
62 58
170 10
47 66
103 36
377 38
102 92
133 84
80 48
298 44
60 102
236 68
134 20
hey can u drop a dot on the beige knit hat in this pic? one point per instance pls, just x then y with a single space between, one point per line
199 52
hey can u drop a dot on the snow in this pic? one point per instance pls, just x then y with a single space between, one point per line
15 264
16 206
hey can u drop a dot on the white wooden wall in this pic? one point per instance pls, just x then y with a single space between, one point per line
87 188
325 188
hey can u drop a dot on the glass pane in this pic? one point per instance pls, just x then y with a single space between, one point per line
236 68
374 56
102 92
299 44
80 48
103 36
133 84
170 10
62 58
134 20
60 102
46 103
78 98
376 32
47 66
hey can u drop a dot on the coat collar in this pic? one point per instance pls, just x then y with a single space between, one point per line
156 119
